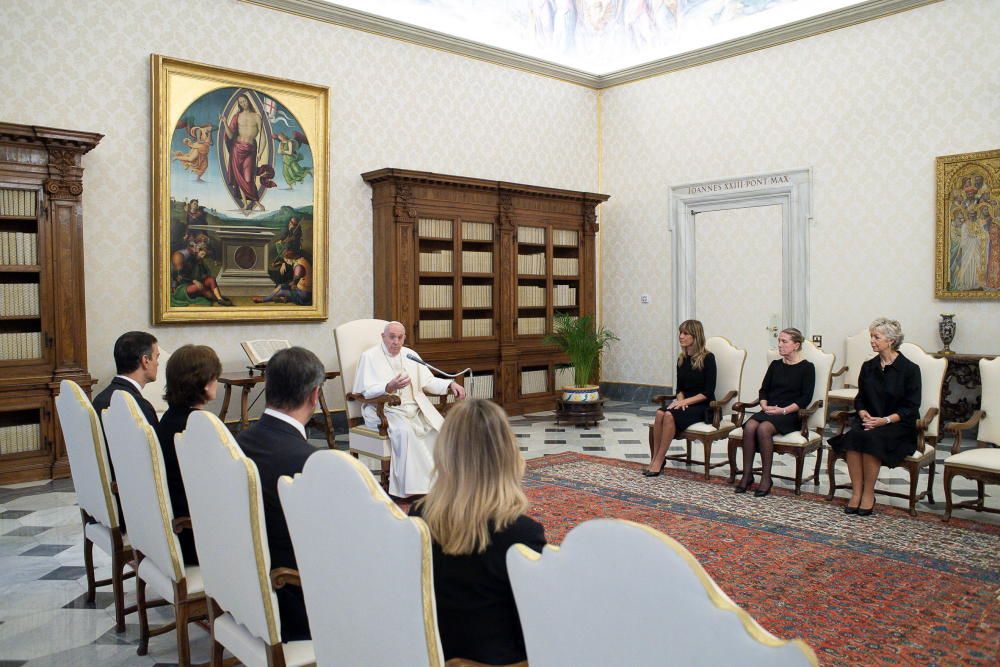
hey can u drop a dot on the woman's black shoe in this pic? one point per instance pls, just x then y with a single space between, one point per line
866 512
743 489
850 510
760 493
650 473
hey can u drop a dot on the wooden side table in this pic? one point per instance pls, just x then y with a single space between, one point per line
579 412
247 380
961 394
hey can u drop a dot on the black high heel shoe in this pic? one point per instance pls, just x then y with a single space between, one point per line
850 510
866 512
760 493
743 489
650 473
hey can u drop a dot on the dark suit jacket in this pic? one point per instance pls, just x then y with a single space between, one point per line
477 616
101 403
279 449
175 421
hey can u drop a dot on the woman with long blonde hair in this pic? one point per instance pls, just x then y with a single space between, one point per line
696 373
475 512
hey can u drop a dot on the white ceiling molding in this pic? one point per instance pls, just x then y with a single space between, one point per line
358 20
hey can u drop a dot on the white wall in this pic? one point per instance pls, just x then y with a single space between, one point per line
85 65
868 108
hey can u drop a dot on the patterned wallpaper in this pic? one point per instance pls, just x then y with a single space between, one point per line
868 108
85 65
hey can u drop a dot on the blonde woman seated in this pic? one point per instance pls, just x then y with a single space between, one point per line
475 512
787 388
884 428
696 374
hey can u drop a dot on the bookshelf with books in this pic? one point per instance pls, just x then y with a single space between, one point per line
476 271
42 314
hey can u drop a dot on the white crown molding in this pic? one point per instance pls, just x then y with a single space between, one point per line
358 20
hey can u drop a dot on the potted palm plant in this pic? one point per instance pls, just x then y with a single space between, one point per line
583 342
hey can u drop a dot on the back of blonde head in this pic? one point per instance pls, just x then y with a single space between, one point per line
477 485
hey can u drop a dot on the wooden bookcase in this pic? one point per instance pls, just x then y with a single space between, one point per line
476 270
43 337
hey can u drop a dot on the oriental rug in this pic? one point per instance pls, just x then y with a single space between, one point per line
889 589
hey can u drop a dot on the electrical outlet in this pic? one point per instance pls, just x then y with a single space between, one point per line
644 299
817 340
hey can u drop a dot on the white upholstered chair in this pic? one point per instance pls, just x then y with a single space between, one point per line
981 463
932 372
352 339
342 524
729 361
142 485
153 391
88 460
807 439
227 512
582 604
858 350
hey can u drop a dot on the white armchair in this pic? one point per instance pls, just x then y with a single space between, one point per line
343 525
88 460
142 485
582 604
858 350
981 463
227 512
729 361
807 439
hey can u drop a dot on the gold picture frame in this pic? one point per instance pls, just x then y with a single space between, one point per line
239 206
967 245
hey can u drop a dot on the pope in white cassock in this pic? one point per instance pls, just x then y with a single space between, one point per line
414 424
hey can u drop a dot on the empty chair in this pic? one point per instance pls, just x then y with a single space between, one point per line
227 513
88 460
981 463
582 604
142 486
365 567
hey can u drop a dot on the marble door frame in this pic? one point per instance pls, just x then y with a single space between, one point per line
791 189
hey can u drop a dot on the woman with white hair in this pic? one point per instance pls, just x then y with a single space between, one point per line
475 512
884 427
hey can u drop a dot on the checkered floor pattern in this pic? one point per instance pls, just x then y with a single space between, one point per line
45 621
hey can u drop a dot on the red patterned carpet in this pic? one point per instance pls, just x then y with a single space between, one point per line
888 589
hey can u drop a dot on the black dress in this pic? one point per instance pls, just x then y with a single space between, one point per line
882 392
783 385
173 422
692 381
477 616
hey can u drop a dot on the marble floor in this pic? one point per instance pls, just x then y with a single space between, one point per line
45 620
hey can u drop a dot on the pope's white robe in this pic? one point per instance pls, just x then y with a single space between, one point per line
413 425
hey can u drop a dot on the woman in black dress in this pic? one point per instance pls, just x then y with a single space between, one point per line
787 388
696 373
884 426
475 512
192 380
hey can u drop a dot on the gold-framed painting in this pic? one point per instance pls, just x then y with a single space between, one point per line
967 254
240 181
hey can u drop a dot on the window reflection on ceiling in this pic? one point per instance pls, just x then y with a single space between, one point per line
598 36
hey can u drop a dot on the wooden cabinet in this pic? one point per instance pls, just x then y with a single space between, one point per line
476 270
43 337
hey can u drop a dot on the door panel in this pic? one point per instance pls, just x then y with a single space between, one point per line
738 282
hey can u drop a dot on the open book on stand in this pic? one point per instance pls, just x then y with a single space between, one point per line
259 351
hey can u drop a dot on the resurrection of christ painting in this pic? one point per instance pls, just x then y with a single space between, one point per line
968 226
240 170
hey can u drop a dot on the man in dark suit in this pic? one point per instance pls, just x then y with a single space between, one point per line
137 359
277 444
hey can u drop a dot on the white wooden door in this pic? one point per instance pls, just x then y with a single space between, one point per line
738 282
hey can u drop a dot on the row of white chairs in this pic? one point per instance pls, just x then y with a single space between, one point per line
727 416
366 568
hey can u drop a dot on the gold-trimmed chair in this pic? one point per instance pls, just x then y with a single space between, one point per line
343 524
981 463
932 372
858 350
142 486
227 513
88 460
729 361
579 604
352 339
809 438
